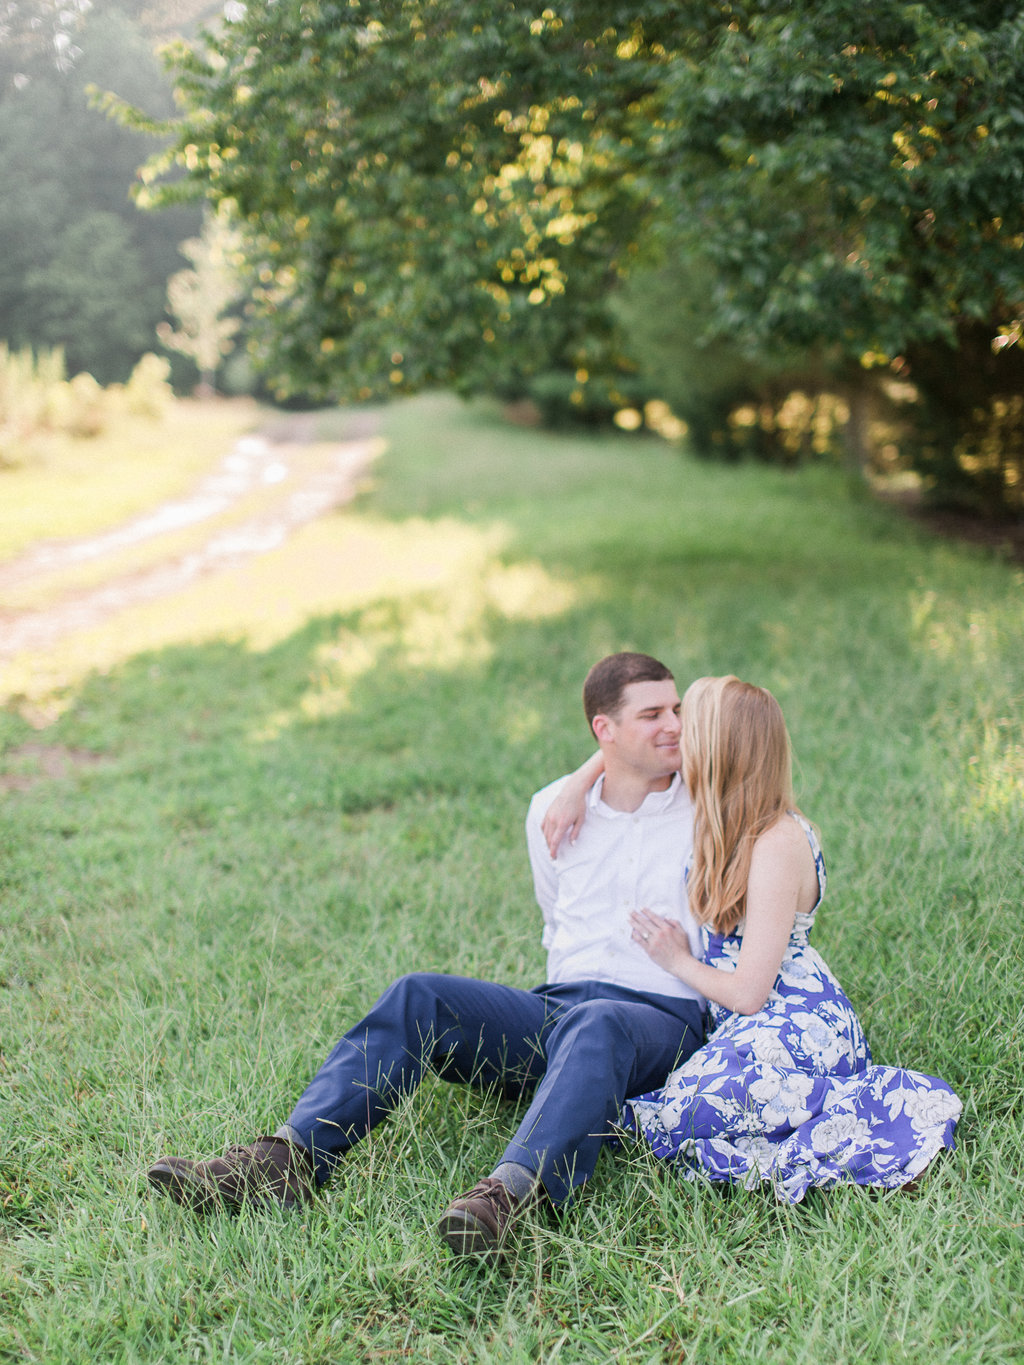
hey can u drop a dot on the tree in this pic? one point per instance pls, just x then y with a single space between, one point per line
420 181
855 177
199 299
90 299
81 266
416 181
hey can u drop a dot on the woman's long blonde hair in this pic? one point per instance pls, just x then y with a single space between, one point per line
737 766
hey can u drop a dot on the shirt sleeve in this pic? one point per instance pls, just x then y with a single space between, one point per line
545 874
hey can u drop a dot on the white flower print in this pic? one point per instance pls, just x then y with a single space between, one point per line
819 1041
758 1153
800 974
840 1131
780 1096
765 1045
728 954
646 1114
929 1109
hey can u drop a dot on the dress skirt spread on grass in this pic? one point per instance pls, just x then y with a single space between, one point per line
788 1096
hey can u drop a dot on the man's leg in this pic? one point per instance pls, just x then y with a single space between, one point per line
467 1030
599 1052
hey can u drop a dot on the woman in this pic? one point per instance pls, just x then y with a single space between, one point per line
783 1091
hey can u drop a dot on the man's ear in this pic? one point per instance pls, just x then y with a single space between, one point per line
603 728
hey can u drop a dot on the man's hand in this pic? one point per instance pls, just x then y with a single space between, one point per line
663 940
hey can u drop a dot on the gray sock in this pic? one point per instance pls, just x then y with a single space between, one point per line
518 1180
289 1134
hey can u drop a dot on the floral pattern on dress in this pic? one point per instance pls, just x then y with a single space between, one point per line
789 1096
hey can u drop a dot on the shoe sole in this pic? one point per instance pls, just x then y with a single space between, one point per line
467 1236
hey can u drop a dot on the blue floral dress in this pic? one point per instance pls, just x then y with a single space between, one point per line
788 1096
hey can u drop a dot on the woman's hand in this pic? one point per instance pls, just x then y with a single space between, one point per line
663 940
566 813
564 816
783 880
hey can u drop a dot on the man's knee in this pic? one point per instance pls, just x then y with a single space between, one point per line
409 993
601 1021
622 1030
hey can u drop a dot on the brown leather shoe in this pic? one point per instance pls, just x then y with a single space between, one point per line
269 1171
479 1223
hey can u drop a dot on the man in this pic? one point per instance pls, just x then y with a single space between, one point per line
609 1023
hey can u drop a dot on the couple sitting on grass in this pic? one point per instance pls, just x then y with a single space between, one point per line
669 903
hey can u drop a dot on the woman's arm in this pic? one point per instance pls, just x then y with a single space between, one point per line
782 881
566 812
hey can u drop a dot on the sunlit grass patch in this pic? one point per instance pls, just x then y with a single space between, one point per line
80 486
449 575
160 536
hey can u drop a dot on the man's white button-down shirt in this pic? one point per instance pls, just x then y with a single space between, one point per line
621 861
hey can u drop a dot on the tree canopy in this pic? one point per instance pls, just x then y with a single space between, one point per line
418 182
440 192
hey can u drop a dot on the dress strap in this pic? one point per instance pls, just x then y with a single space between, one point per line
819 857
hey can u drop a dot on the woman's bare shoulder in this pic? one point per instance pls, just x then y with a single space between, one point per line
786 836
783 844
784 851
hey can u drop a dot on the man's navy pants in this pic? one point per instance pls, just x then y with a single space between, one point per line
580 1047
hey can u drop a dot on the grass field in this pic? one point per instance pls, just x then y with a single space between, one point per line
254 833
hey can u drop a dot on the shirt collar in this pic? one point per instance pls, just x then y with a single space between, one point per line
652 804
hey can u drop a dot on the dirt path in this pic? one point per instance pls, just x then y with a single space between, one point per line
263 490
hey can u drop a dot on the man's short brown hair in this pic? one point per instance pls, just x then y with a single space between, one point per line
607 681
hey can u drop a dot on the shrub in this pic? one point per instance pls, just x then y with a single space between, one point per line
86 407
30 391
148 392
37 400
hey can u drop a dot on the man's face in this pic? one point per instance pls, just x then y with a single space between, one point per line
644 734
